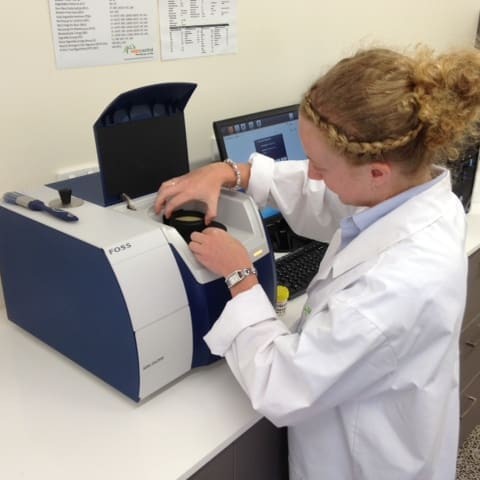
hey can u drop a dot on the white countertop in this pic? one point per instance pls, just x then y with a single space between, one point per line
59 421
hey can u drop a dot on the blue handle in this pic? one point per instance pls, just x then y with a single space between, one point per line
62 214
25 201
56 212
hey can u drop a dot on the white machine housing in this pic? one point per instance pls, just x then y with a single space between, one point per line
119 291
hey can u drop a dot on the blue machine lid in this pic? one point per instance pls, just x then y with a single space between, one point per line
141 140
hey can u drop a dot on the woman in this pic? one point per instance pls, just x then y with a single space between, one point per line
368 380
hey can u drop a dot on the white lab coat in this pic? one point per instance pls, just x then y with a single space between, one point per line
368 381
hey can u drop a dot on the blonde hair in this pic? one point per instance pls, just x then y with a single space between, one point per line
380 104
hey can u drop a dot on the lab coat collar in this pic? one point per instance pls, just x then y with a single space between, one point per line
402 222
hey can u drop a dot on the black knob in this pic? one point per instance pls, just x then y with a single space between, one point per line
65 195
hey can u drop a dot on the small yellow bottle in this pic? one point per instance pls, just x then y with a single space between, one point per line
282 298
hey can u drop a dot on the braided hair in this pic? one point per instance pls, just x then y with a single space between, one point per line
382 105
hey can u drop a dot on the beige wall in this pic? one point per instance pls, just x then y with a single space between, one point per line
46 114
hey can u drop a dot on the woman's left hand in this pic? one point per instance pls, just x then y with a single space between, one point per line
218 251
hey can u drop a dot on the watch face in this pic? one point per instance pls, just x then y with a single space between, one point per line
233 279
238 275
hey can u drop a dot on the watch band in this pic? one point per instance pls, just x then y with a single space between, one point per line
238 275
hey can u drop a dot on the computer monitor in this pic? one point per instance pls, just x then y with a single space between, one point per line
271 132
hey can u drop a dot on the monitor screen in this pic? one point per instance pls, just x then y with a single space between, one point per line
273 133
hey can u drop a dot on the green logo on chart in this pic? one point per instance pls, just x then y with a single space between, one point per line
133 52
129 48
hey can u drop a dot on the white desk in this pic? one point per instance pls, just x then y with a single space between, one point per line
60 422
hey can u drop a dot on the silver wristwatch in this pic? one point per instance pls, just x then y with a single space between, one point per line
238 275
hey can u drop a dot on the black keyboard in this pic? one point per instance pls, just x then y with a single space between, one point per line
296 269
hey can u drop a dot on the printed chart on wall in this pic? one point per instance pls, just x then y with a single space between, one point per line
195 28
92 32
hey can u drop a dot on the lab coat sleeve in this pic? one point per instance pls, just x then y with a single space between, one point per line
290 376
308 206
221 337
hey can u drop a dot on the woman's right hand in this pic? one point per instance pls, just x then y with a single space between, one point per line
203 184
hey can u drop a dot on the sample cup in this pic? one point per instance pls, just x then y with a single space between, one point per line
188 221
